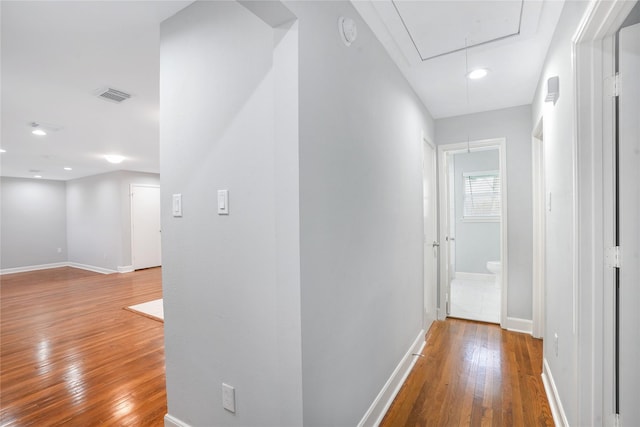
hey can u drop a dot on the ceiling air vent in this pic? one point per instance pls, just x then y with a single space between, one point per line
113 95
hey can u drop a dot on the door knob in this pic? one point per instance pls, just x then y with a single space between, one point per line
435 244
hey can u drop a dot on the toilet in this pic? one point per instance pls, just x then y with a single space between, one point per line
495 268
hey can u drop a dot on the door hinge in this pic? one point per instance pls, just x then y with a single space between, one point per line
613 257
612 85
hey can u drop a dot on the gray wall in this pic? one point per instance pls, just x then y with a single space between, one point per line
346 186
515 125
360 215
33 222
476 242
231 283
98 219
559 131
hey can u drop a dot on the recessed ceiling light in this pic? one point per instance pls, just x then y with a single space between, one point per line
37 176
114 158
478 73
3 150
38 132
67 169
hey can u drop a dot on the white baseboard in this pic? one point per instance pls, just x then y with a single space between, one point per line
519 325
33 268
91 268
171 421
475 276
125 268
557 411
381 404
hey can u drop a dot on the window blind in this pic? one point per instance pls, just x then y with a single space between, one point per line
482 195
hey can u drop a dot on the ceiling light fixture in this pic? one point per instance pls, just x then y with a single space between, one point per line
36 129
67 168
114 158
37 176
2 150
478 73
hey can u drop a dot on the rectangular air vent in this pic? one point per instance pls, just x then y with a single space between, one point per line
113 95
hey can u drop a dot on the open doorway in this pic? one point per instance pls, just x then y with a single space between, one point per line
473 230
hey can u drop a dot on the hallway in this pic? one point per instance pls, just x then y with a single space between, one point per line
473 374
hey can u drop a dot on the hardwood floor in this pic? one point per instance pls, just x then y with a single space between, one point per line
473 374
71 355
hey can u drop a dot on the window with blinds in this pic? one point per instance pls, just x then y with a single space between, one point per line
482 195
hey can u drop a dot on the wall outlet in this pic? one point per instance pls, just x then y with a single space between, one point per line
555 343
229 398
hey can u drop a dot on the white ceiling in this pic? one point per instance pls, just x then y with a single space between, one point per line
56 54
509 37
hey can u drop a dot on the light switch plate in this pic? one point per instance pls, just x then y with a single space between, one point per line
176 208
223 202
228 398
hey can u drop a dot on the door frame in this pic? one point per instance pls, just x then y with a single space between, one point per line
444 151
426 245
131 188
539 227
593 58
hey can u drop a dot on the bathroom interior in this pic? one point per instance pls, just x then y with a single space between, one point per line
475 222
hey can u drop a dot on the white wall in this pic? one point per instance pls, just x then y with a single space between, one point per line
560 303
515 125
98 219
231 284
360 215
320 259
559 131
33 222
476 242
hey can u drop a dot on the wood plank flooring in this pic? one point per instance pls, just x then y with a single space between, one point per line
71 355
473 374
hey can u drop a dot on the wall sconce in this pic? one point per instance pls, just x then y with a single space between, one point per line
553 89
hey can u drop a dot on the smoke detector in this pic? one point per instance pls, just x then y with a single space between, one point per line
113 95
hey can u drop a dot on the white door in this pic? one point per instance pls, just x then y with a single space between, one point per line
145 226
430 198
629 225
446 238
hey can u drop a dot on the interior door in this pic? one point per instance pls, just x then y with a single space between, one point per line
145 226
431 246
629 225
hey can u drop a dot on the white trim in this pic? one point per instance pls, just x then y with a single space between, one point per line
382 402
557 411
539 218
592 63
445 274
125 268
91 268
515 324
32 268
486 277
171 421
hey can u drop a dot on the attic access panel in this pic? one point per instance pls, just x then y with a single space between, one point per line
438 28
